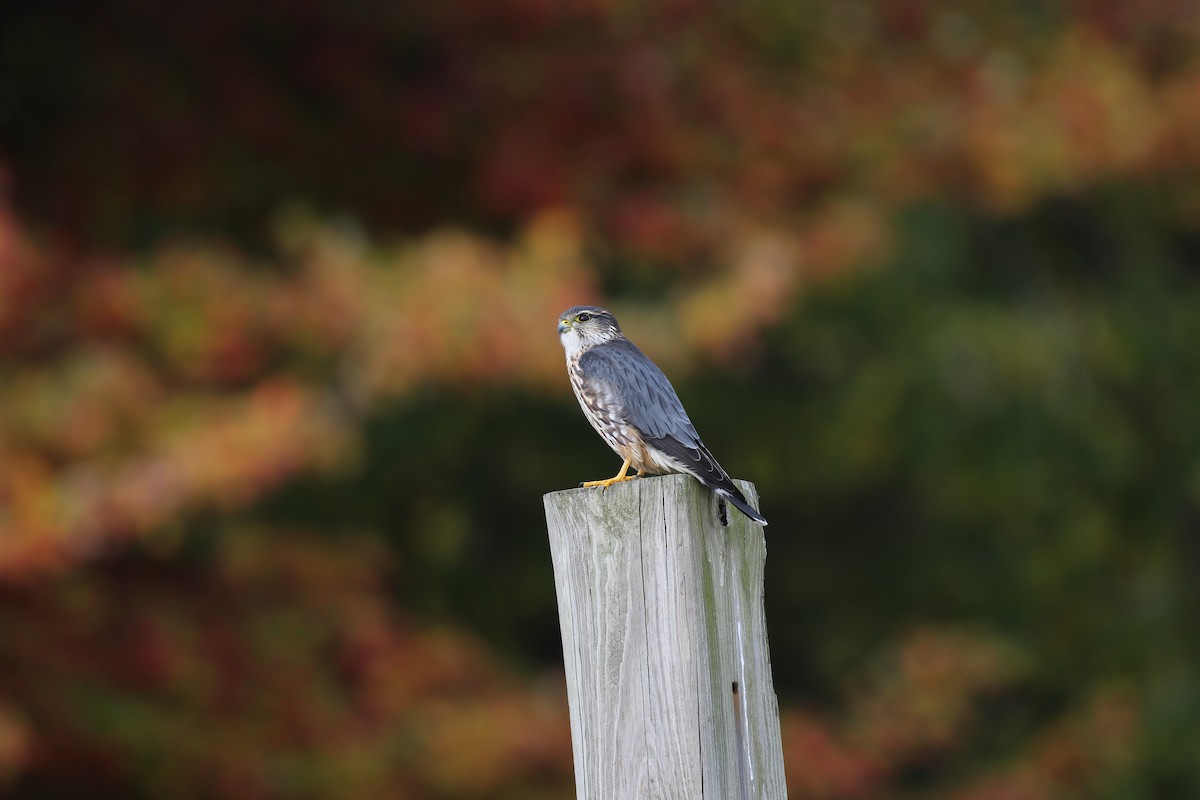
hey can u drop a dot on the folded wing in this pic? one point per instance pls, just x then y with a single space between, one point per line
646 400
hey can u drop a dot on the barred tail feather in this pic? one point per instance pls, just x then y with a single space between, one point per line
739 502
694 459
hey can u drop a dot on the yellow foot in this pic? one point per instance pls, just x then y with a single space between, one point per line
607 482
618 478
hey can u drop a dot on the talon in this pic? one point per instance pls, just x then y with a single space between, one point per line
620 477
607 482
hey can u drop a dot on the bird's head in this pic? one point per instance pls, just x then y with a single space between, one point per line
584 327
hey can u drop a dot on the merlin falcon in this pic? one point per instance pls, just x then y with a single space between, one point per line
634 408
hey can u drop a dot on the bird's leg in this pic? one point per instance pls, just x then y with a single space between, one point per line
618 478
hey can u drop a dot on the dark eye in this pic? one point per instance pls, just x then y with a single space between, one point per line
584 317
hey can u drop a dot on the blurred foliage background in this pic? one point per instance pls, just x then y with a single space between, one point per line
281 391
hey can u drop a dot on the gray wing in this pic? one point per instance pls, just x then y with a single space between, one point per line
646 400
641 395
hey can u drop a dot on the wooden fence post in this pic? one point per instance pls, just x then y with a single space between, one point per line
665 644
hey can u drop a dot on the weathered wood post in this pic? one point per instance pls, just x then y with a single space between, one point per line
665 644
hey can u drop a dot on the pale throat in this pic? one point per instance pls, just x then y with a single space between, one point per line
575 343
572 344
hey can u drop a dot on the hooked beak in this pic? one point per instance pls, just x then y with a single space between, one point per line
563 326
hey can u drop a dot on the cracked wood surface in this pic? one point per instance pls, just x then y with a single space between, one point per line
661 616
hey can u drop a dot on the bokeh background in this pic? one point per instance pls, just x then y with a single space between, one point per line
280 390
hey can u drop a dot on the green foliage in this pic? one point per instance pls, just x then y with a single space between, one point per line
1026 430
983 435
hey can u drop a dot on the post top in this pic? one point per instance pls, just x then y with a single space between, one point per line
630 496
625 486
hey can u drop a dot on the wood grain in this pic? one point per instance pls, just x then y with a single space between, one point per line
661 614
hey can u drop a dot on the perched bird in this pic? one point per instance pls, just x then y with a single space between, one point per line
633 406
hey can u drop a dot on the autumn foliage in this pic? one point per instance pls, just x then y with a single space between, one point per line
281 392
